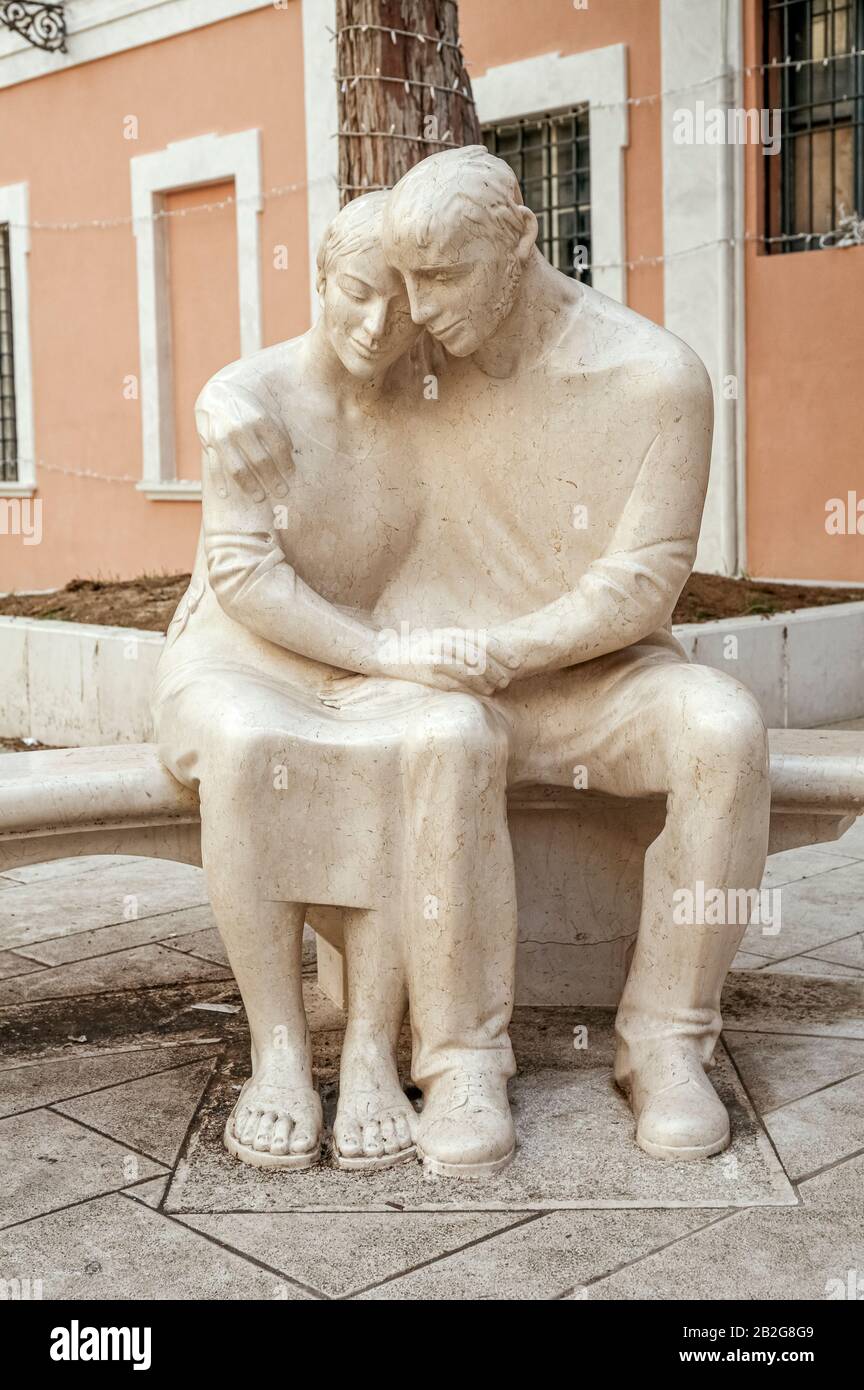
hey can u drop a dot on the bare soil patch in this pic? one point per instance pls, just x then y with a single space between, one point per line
149 602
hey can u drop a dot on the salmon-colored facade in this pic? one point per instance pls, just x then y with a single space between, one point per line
117 345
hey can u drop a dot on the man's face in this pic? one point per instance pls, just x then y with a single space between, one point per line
462 289
366 313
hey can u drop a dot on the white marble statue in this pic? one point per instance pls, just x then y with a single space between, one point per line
427 577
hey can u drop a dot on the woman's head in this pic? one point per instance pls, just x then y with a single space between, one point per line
365 305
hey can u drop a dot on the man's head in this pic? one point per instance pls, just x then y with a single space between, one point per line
457 230
365 307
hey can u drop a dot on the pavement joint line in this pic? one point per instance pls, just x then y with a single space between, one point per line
757 1112
657 1250
121 1143
827 1167
444 1254
112 1052
70 1206
240 1254
103 992
109 1086
106 926
785 1033
817 1091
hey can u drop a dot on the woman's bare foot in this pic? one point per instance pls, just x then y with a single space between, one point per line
277 1120
375 1120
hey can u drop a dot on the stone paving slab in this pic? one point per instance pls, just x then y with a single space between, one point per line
153 1114
116 1248
756 1002
544 1258
760 1254
777 1068
814 912
341 1254
12 964
140 968
576 1145
48 1161
119 936
819 1129
840 1187
35 1084
97 898
793 865
66 868
814 967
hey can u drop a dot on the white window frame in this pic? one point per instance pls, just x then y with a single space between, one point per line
550 83
187 164
14 209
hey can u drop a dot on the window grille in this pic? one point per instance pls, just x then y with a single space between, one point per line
549 155
818 177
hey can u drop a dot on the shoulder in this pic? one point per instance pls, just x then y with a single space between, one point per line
646 363
246 393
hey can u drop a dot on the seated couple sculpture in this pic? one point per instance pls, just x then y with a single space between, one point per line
466 442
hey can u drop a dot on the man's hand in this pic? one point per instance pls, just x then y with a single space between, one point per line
452 659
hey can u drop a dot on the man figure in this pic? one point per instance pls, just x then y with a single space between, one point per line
566 461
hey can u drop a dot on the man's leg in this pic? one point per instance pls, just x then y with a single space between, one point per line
710 755
645 723
460 926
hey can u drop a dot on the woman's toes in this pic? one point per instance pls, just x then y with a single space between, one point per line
388 1134
250 1127
403 1132
239 1120
349 1141
280 1141
302 1141
373 1144
264 1133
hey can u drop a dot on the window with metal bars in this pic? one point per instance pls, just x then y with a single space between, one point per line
8 433
549 156
818 84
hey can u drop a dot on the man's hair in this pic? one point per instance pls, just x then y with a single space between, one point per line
357 227
458 186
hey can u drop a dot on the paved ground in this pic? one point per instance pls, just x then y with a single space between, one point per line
116 1067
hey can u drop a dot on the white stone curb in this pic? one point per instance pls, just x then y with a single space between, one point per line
75 684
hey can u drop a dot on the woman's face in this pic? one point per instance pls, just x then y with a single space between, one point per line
366 313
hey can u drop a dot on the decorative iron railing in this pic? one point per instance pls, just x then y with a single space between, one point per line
42 24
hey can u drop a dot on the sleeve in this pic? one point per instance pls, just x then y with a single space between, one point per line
631 590
246 477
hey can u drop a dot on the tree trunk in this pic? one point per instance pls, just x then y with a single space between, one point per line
401 97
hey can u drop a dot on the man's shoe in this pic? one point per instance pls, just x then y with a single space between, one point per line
679 1116
466 1129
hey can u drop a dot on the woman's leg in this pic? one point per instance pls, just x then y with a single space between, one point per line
375 1119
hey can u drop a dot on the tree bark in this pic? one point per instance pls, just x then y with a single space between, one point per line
401 97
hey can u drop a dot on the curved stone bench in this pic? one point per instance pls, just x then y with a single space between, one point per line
578 854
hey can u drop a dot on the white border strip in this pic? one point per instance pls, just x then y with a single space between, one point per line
187 164
14 203
322 121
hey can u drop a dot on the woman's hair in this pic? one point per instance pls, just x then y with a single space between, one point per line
357 227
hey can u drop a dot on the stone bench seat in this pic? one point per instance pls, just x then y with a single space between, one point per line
582 900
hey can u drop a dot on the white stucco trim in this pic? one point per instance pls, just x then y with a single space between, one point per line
322 122
703 201
14 205
98 28
552 82
186 164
